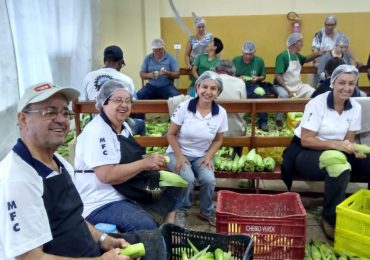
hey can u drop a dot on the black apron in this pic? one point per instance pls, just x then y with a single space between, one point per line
139 187
71 235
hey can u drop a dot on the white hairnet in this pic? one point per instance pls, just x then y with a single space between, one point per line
210 75
107 90
341 40
293 38
157 43
331 18
249 47
341 69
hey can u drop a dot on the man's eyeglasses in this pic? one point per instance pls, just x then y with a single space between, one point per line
51 113
121 101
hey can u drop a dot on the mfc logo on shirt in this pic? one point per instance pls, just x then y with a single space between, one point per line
103 145
13 215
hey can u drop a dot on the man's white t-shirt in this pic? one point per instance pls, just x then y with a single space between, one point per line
23 218
95 79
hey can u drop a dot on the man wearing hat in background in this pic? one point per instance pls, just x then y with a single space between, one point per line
41 214
288 65
251 68
160 68
113 63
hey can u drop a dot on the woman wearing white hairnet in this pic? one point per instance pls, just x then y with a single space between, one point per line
329 122
194 136
116 183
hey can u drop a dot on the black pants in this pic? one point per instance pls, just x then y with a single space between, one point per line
307 166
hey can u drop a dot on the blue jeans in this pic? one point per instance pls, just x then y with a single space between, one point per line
262 116
125 214
152 92
281 93
205 177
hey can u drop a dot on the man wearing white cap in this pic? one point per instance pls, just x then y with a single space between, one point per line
251 68
288 65
41 211
160 68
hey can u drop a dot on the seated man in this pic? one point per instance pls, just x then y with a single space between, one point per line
252 69
288 67
113 63
234 89
160 68
41 209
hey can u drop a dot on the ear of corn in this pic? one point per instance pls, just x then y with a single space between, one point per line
167 178
259 163
269 164
234 167
335 170
330 157
250 161
134 250
362 148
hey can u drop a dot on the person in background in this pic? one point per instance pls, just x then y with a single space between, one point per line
195 46
325 85
329 122
251 68
339 50
288 65
109 163
41 209
234 90
194 136
113 63
209 60
160 69
324 40
368 73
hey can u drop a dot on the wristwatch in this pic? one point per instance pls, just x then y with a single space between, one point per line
102 237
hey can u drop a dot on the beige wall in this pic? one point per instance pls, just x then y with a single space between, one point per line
132 24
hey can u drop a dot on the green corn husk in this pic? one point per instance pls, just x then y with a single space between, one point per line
250 161
269 164
330 157
335 170
362 148
259 167
167 178
235 167
241 162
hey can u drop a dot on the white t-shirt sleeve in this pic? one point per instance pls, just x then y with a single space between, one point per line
178 115
25 224
98 149
312 117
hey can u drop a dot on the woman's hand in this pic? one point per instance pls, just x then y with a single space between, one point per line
113 255
180 161
208 163
345 146
154 162
111 246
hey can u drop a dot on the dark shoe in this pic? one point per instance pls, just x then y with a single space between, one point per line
211 219
264 127
279 125
328 229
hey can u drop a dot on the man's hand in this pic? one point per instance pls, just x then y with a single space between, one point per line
113 255
111 243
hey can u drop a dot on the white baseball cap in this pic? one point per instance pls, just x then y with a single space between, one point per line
43 91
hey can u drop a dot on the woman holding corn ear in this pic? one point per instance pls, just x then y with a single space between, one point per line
194 136
116 183
329 122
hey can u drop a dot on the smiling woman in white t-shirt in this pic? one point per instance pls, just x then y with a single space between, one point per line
194 136
329 122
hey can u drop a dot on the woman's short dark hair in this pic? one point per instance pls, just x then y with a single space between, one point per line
218 44
332 64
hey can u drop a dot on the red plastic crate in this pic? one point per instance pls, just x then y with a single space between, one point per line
277 223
